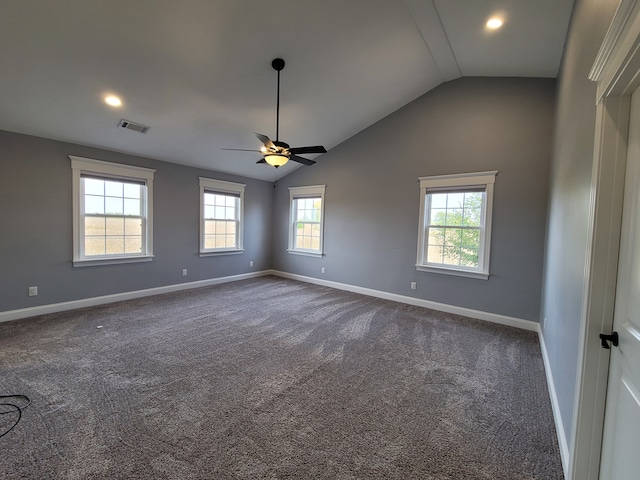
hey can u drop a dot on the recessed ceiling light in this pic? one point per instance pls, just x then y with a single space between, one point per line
494 23
113 101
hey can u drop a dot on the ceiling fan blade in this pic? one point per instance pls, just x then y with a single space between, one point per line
304 161
262 160
314 149
241 149
265 140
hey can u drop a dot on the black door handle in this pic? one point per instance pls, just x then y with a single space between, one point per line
613 338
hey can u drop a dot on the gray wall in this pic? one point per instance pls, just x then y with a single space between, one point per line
568 219
372 195
36 225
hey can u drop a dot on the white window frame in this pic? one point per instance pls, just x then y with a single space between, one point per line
211 185
85 166
312 191
484 180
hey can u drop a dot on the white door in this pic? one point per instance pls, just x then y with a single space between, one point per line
621 438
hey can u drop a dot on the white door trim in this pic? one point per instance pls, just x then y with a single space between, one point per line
616 73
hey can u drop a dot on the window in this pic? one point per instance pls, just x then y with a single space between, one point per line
221 206
455 224
112 212
306 220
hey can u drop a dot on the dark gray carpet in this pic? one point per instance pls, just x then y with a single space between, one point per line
273 379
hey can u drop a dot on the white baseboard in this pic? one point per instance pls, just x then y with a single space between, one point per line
555 406
117 297
442 307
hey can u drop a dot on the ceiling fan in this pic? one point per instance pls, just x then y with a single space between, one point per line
277 153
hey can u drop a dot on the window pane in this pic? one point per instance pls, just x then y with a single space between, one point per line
115 245
133 226
451 256
453 236
471 238
438 216
231 241
454 216
231 202
132 191
209 241
438 200
131 207
93 204
113 206
307 229
133 244
209 227
231 228
436 236
209 211
93 186
94 226
315 243
455 200
115 226
113 189
94 245
435 253
230 213
208 198
472 217
219 212
468 257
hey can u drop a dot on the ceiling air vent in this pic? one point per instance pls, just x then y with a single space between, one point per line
136 127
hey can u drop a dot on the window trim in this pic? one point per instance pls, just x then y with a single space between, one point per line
117 171
486 180
221 186
306 192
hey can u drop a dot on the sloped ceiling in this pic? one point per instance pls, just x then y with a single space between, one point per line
199 72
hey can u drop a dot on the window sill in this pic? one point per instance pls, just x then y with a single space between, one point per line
453 271
304 253
221 252
92 262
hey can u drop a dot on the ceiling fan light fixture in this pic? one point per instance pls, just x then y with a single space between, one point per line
276 159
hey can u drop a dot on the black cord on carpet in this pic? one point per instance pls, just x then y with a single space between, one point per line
13 408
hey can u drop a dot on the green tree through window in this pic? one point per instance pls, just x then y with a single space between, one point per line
454 228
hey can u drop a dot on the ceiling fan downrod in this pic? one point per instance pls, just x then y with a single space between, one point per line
278 65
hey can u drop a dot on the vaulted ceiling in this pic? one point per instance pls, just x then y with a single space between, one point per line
198 72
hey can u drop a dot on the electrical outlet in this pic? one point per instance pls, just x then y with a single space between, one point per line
184 272
322 270
251 263
413 285
33 291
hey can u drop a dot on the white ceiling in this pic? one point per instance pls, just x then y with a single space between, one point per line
198 72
